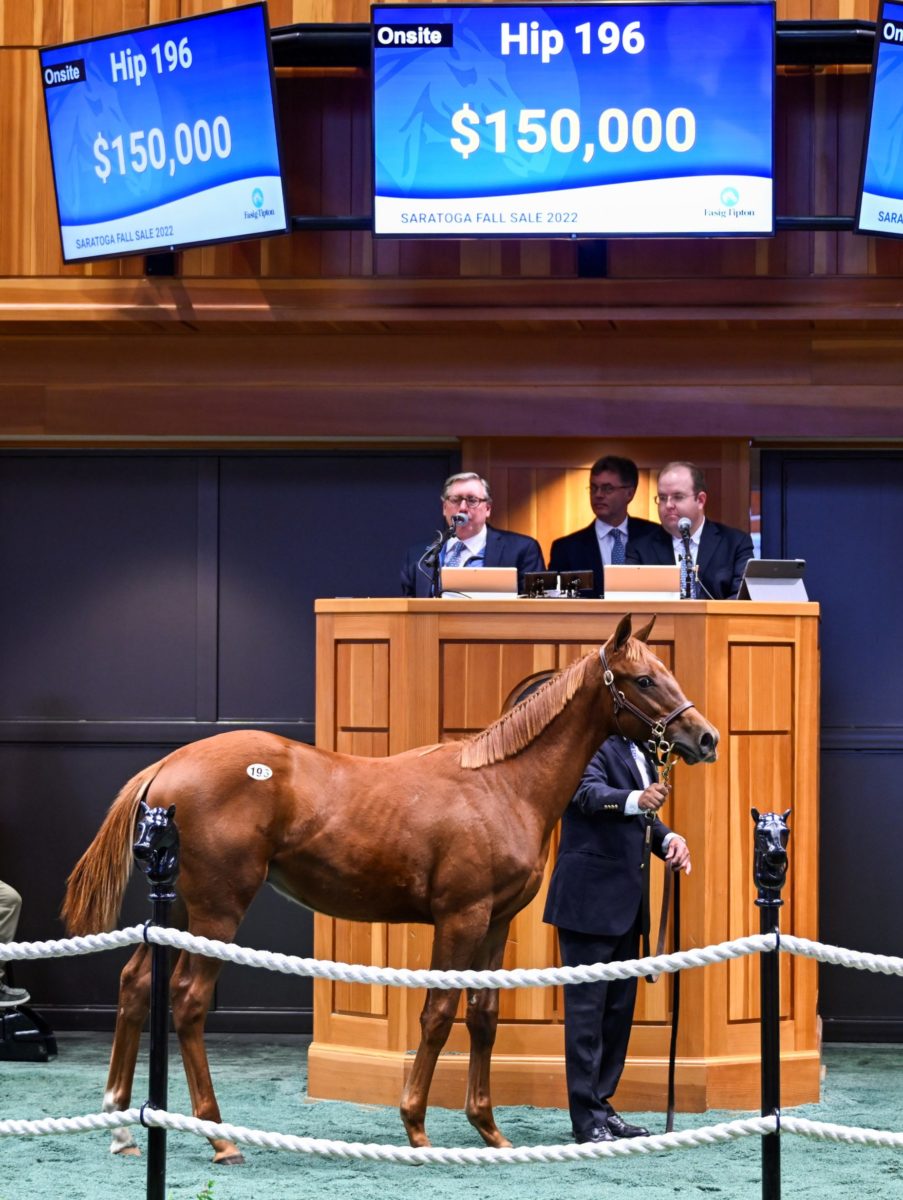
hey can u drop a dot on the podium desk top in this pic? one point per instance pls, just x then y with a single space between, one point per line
522 606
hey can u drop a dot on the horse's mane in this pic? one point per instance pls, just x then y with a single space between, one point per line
514 731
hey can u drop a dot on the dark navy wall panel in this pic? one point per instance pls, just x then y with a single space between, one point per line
99 595
296 528
843 513
861 891
152 599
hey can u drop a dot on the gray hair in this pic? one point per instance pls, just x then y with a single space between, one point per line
461 477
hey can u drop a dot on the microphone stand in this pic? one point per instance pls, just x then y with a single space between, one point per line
686 576
430 559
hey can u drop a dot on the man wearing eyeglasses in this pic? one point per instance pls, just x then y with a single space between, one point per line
718 553
475 543
612 485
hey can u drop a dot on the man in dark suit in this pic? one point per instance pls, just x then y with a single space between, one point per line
475 543
612 485
595 900
718 551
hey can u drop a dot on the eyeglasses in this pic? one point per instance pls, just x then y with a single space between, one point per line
606 489
677 497
470 501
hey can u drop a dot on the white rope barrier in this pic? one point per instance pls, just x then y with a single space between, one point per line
287 964
689 1139
536 977
883 964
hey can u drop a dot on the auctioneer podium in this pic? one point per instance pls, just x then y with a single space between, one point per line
394 674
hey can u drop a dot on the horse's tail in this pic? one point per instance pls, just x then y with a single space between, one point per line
95 888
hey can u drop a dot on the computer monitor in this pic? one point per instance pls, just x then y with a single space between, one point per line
558 584
479 583
773 579
630 581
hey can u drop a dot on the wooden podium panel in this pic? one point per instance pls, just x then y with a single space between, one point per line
394 674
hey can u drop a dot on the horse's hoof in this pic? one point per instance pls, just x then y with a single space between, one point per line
496 1140
229 1160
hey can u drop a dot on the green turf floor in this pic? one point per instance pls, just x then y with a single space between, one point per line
261 1083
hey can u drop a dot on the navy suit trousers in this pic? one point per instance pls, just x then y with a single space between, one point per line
598 1018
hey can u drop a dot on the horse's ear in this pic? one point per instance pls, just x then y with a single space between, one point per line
755 814
143 810
171 811
786 813
642 635
621 635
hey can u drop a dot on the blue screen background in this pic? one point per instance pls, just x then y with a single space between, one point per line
229 76
716 59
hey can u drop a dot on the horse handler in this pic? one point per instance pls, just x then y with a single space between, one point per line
595 899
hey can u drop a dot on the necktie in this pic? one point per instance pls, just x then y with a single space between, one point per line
455 553
617 547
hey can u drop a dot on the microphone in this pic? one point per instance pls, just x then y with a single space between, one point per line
452 527
683 527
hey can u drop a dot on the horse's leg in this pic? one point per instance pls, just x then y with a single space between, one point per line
482 1022
193 981
453 947
134 1002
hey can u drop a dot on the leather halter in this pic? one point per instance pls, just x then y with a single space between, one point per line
657 744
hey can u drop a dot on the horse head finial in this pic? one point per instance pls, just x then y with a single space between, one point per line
156 847
770 843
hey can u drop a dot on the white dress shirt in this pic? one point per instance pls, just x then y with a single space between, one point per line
476 547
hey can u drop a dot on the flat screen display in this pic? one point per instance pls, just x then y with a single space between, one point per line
600 120
165 137
880 206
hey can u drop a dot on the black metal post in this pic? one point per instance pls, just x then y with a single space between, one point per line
157 853
770 870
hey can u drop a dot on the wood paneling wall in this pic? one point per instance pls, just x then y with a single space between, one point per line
338 335
539 486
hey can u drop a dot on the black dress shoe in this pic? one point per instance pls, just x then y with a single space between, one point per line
620 1128
598 1133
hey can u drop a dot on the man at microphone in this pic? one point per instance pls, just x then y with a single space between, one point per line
712 556
468 540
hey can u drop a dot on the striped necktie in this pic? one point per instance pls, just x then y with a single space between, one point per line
688 577
455 553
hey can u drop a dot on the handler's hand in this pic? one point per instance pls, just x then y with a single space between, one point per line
677 855
654 797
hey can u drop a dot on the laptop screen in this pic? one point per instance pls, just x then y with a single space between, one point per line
479 581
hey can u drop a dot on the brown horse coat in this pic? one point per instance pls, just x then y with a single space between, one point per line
454 835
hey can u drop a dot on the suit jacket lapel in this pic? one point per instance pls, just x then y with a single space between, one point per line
492 553
594 554
708 543
626 755
663 548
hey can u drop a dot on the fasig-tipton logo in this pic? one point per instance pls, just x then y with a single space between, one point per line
67 72
258 213
404 37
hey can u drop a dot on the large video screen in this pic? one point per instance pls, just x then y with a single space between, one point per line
165 137
603 120
880 205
